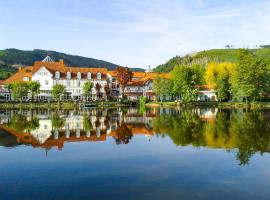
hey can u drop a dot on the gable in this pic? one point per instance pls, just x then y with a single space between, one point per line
43 72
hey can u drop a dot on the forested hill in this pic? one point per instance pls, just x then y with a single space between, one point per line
11 59
204 57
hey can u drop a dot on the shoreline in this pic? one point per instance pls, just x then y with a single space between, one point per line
54 105
222 105
76 105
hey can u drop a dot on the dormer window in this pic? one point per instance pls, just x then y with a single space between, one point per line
79 75
68 75
98 76
57 75
25 79
89 76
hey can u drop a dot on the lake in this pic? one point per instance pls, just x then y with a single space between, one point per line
130 153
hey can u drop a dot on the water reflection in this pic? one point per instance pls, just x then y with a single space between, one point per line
245 131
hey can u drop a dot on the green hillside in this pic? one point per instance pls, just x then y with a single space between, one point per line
11 59
204 57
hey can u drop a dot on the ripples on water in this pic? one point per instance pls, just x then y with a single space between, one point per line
135 153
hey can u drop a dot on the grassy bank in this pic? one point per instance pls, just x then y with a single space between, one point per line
190 104
54 105
253 105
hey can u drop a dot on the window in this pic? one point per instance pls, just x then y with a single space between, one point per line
46 82
79 84
89 76
25 79
68 75
57 75
68 83
98 76
79 75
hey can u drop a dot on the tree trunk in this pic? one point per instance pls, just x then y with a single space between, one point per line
58 103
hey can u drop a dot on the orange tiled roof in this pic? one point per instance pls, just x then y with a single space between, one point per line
53 67
63 69
151 75
19 75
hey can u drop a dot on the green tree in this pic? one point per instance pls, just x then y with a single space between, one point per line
251 79
184 81
223 89
58 91
162 87
19 90
34 88
87 88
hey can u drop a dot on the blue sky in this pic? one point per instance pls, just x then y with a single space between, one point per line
133 33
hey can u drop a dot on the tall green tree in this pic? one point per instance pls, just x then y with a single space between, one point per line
251 79
34 88
184 81
19 90
87 88
162 87
58 91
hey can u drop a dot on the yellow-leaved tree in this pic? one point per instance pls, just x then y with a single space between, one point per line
218 77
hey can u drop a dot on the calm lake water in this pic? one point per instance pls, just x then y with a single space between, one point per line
135 154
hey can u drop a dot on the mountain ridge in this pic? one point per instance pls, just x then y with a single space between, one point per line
206 56
11 59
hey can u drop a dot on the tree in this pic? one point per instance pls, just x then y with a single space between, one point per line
98 88
162 87
58 91
123 76
218 77
107 90
34 88
19 90
251 79
87 88
184 81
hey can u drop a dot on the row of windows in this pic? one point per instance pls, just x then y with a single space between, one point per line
79 76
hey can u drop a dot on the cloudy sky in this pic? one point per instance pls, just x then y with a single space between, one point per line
134 33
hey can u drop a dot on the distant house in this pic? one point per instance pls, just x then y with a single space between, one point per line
206 93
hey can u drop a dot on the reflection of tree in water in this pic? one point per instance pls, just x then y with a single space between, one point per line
184 128
57 121
252 132
87 125
20 123
123 134
249 132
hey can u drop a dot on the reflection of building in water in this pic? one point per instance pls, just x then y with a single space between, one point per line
208 114
92 126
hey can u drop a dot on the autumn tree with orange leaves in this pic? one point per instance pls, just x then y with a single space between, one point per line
123 76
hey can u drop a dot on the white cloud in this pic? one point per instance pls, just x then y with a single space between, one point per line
139 33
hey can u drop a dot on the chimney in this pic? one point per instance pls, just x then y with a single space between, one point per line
20 68
61 61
